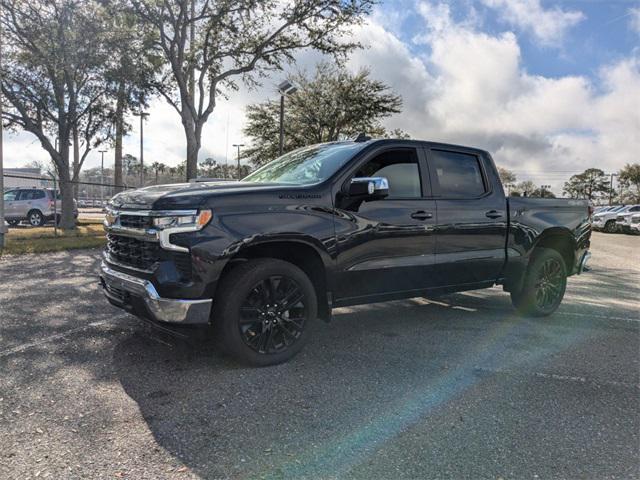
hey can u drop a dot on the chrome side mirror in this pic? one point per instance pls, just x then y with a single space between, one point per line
370 187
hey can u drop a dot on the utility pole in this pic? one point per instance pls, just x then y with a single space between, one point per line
238 145
611 188
102 152
142 116
2 227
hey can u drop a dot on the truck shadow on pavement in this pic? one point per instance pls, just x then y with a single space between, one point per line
359 382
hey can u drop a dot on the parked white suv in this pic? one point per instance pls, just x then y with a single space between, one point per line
607 220
35 205
623 219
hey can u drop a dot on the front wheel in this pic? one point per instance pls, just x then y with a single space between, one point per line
263 310
544 284
610 226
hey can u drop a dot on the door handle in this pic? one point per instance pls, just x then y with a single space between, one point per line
493 214
422 215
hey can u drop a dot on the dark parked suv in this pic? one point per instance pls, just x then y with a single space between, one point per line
332 225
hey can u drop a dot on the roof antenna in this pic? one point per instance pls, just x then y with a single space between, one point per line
362 137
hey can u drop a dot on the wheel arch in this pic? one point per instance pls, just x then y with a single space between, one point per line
561 240
297 252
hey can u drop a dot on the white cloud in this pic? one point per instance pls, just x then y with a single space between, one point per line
634 19
547 25
472 88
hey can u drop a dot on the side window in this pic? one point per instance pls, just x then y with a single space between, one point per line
23 195
458 175
400 167
28 195
38 194
10 196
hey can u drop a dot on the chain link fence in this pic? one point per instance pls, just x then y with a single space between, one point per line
33 207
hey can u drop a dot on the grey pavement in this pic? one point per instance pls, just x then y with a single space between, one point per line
453 387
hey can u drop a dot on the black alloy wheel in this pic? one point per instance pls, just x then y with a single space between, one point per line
262 311
550 285
273 315
544 284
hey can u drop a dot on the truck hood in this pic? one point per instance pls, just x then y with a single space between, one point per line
183 195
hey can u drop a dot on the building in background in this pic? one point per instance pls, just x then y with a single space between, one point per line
10 180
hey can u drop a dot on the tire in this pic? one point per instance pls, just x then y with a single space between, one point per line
35 218
13 223
249 316
610 226
544 285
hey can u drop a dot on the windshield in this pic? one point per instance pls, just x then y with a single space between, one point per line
307 165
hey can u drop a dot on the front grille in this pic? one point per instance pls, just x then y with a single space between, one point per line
132 251
135 221
136 253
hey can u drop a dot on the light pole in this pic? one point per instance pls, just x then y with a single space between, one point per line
102 152
2 227
544 188
238 145
142 116
285 88
611 188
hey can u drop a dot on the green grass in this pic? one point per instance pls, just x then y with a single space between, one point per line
39 240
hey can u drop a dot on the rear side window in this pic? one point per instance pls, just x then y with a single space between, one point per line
31 194
457 175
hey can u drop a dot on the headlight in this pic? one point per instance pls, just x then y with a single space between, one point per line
191 222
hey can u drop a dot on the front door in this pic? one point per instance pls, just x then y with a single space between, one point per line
472 218
387 246
10 204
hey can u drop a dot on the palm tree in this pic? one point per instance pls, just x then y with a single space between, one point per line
158 167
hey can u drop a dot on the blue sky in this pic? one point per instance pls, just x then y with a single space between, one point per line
600 37
549 88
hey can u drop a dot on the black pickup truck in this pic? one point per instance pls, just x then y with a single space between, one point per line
332 225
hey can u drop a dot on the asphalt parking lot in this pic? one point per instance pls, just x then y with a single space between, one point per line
454 387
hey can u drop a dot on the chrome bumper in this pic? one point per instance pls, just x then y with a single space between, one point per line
122 290
582 266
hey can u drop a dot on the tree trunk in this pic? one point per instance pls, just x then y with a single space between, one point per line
117 167
76 160
67 221
193 136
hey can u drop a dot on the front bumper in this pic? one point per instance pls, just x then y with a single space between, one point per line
139 296
583 263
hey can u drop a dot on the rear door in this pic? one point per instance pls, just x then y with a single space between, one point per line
472 219
387 246
24 202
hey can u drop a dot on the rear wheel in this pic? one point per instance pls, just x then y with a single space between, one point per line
35 218
263 310
610 226
13 223
544 284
